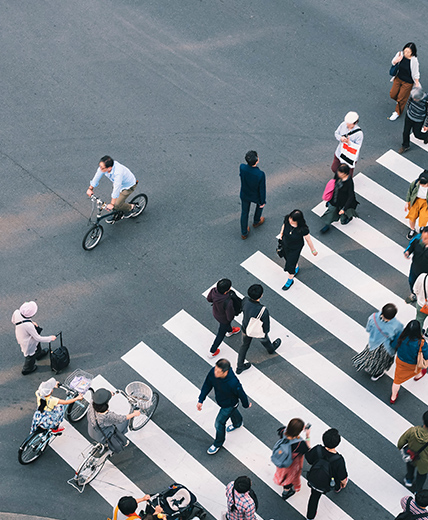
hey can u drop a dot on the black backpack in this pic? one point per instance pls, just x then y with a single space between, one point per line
407 514
236 302
60 358
320 474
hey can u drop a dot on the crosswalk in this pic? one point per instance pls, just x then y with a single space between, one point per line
375 482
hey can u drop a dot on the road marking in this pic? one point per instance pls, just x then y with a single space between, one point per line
418 142
401 166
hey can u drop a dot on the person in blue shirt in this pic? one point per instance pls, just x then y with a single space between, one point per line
124 183
253 189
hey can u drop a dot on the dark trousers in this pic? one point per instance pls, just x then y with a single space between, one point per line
313 504
419 481
220 423
245 211
30 361
222 329
246 342
410 125
336 163
412 278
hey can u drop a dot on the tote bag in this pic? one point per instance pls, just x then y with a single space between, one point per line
255 326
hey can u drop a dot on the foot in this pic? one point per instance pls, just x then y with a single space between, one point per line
212 450
408 483
245 366
44 352
232 428
395 115
421 375
403 149
26 372
244 237
214 354
276 344
131 213
324 229
411 299
375 378
58 430
296 270
113 219
235 330
346 220
287 493
392 401
288 284
411 234
259 223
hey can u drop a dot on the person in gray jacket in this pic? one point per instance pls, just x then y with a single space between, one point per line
251 308
416 118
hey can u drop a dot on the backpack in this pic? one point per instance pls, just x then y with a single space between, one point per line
60 358
407 514
320 474
282 453
236 302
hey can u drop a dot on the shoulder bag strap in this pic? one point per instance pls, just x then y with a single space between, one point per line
353 132
422 449
99 427
425 287
378 328
259 317
23 321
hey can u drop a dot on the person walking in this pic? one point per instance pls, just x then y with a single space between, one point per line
416 118
418 250
221 297
252 308
406 77
420 289
241 500
416 203
293 231
350 137
416 438
228 392
416 505
253 189
378 356
408 344
327 472
28 336
289 478
343 203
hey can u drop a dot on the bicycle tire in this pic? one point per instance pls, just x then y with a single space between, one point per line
92 237
141 201
77 410
136 423
90 468
32 448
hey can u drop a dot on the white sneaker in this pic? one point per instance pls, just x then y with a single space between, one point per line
395 115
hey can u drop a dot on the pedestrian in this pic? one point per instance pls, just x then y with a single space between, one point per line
418 249
27 334
350 137
252 308
289 477
222 298
241 500
343 203
416 203
416 505
228 392
416 440
378 356
416 119
406 76
253 189
327 472
126 508
124 183
409 343
420 289
293 231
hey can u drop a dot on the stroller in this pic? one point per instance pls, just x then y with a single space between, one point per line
177 502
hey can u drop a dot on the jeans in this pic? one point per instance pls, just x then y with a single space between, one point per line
313 504
245 211
412 279
220 423
246 342
409 124
222 329
419 481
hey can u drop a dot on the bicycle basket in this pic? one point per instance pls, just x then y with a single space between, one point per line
79 380
142 392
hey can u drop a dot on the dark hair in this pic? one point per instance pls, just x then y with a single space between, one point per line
298 217
412 47
42 405
107 160
242 484
223 365
423 177
425 419
127 505
331 438
251 157
100 408
343 168
255 291
223 285
294 427
411 331
389 311
421 498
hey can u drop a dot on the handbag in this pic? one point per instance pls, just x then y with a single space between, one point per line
280 249
349 152
424 308
115 439
409 455
393 71
421 362
328 190
255 326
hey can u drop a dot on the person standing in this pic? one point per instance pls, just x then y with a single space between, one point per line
241 504
378 356
416 438
252 308
416 118
418 249
228 392
349 135
416 505
223 311
27 334
293 231
416 203
253 189
328 470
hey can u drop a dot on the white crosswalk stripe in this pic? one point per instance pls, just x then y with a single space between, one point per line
400 165
419 142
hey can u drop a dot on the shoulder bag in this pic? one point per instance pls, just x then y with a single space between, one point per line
255 326
421 362
409 455
424 308
349 152
328 190
115 440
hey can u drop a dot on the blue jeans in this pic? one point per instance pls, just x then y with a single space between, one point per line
222 329
245 211
412 279
220 423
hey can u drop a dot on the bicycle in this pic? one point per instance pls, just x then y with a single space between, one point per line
93 236
37 442
140 397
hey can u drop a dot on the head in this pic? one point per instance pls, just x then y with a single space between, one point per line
417 93
412 330
127 505
343 171
46 388
351 119
425 419
242 484
221 368
106 164
255 291
424 235
331 438
410 50
421 498
389 311
100 400
297 216
224 285
294 428
28 309
252 158
423 178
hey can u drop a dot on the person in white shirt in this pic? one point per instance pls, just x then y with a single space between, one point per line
416 203
348 133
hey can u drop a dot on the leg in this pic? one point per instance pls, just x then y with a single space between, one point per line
410 473
121 205
257 214
417 131
220 425
419 481
408 124
395 389
245 210
335 164
412 278
331 215
29 364
266 342
313 504
222 329
420 316
236 418
246 341
393 93
403 96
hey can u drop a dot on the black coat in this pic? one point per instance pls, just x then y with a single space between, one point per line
344 196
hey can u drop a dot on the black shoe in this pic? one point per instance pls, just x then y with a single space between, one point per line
411 234
275 345
346 220
324 229
44 352
411 299
29 371
287 493
245 366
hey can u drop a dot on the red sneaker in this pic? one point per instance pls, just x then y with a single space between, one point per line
214 354
235 330
421 375
58 430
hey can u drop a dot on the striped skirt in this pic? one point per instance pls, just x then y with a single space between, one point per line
374 362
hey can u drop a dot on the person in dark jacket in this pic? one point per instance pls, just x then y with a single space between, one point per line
223 312
253 189
343 203
228 392
416 118
251 308
418 249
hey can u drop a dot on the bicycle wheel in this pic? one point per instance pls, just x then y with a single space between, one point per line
92 237
136 423
140 202
90 467
77 410
31 449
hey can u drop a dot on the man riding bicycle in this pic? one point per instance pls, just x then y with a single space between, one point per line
124 183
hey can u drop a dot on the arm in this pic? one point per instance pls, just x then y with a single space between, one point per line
70 401
31 329
281 232
210 296
403 439
414 70
94 182
243 396
250 511
230 311
266 321
206 389
310 244
397 58
338 135
262 190
409 195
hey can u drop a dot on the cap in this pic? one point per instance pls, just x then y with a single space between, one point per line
46 387
101 396
351 118
28 309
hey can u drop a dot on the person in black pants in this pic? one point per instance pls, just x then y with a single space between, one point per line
417 440
418 249
416 118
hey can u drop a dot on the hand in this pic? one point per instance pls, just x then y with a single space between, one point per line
250 405
145 498
341 212
136 413
406 254
158 510
35 324
262 205
79 397
308 433
400 57
199 407
53 338
344 139
89 192
425 128
407 206
314 252
109 207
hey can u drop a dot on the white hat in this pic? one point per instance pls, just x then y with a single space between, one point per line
351 118
46 387
28 309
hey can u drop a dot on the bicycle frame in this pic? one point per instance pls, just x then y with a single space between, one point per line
99 205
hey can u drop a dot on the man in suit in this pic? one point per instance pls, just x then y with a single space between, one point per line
253 189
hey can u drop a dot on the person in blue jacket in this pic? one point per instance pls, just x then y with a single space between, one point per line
253 189
228 392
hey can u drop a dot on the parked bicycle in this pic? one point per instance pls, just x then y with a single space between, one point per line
140 397
93 236
36 443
